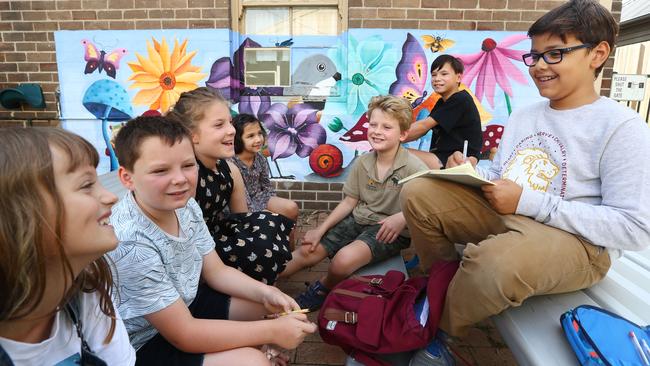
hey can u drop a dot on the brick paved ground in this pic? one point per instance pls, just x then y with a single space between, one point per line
483 346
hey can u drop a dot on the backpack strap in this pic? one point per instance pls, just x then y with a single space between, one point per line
375 281
73 309
348 317
88 358
357 294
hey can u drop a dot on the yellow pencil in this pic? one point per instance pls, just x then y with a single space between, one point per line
277 315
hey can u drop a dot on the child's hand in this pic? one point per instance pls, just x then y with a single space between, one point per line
311 238
457 159
292 329
390 228
276 301
504 196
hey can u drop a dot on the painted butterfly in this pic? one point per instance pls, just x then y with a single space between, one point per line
100 60
411 72
437 43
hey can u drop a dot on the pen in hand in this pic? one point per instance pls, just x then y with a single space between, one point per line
465 151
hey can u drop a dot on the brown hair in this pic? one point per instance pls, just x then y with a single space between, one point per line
586 20
26 183
191 105
130 137
396 107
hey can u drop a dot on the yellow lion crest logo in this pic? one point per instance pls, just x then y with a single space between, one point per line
533 168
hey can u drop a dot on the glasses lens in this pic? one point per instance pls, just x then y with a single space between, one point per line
553 56
530 59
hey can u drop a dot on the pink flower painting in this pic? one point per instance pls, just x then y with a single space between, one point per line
491 66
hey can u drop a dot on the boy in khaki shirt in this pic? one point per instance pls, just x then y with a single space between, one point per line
367 226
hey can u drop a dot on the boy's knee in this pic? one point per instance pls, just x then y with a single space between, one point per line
492 276
344 263
305 254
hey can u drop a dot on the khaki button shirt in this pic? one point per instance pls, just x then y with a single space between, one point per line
379 198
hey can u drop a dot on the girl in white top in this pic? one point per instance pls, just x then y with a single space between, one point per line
54 232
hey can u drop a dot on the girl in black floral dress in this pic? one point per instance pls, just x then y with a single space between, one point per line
256 243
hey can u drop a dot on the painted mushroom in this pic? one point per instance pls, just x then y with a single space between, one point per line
491 139
357 136
108 101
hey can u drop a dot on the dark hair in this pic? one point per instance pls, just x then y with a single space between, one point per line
441 60
240 121
130 137
586 20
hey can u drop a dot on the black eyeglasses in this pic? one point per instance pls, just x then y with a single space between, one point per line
551 56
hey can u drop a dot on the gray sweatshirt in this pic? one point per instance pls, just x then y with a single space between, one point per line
584 170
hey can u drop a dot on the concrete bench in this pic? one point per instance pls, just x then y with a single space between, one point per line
533 331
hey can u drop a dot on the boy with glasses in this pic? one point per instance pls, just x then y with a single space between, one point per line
569 193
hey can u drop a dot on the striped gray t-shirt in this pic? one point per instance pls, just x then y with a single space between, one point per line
152 268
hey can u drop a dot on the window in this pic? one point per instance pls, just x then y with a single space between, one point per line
291 21
277 22
267 67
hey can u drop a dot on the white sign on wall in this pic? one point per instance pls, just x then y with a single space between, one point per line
628 87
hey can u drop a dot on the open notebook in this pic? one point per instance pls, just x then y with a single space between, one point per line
463 174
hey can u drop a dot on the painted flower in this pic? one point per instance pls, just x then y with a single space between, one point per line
336 125
292 131
491 66
255 105
163 76
371 70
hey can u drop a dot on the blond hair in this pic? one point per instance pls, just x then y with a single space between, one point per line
190 107
396 107
27 183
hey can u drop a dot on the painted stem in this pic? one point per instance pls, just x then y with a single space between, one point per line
508 103
107 139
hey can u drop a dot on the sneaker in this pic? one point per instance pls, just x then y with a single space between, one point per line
435 354
314 297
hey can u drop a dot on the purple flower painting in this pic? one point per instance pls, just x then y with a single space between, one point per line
292 131
255 105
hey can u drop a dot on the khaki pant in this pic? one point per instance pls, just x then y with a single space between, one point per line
508 258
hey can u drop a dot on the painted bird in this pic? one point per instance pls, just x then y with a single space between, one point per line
314 76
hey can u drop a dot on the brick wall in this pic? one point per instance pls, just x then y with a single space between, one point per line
27 28
311 195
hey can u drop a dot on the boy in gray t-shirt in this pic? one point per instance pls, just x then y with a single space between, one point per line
177 298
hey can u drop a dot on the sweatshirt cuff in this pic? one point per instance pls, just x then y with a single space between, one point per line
530 203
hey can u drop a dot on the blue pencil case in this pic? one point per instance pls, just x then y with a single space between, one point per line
600 337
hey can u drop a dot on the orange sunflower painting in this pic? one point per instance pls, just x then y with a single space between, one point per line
164 75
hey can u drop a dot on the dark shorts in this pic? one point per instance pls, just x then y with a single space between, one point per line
208 304
347 230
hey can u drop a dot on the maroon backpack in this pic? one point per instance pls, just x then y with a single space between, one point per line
368 315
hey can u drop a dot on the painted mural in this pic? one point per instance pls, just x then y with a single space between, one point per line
317 125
